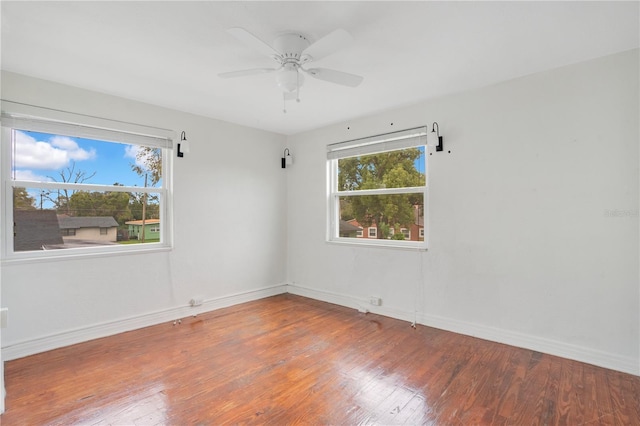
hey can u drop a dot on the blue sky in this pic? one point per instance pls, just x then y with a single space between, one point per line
42 156
420 162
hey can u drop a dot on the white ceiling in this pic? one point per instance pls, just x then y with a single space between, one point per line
169 53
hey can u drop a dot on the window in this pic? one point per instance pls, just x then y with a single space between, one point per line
379 183
67 185
406 233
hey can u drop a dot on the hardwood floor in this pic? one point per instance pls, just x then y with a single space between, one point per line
292 360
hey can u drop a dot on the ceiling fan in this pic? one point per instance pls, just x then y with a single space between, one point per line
292 51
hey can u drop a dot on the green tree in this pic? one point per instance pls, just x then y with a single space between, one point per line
393 169
95 203
148 164
22 200
152 209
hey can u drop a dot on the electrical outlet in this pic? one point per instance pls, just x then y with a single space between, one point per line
196 301
375 301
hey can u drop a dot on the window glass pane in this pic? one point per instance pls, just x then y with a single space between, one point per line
44 157
392 169
395 216
63 219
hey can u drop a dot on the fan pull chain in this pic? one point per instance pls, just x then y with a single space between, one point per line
284 103
297 85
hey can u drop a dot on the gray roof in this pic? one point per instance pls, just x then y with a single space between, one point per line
348 227
35 229
67 222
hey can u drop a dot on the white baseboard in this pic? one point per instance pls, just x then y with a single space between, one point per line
521 340
552 347
539 344
96 331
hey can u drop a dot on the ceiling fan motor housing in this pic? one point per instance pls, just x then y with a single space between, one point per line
291 46
289 78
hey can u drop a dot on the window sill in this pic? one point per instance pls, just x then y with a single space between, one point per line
382 245
21 260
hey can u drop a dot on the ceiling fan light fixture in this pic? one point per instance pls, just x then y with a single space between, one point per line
289 79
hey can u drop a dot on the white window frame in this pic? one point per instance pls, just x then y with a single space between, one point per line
410 138
31 118
372 232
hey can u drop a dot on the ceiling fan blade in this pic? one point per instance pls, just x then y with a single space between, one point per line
334 76
328 44
243 73
253 42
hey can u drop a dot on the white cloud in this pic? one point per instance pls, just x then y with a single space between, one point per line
133 151
64 142
29 175
48 155
74 151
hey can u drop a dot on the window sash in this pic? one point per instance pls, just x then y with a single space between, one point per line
76 125
410 138
10 254
383 191
84 186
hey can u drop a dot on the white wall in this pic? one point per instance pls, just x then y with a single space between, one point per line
523 248
229 226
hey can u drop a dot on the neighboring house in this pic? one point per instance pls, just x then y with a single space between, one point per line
151 232
35 230
349 230
417 227
415 231
97 228
366 231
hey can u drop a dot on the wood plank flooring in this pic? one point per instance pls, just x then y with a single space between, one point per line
292 360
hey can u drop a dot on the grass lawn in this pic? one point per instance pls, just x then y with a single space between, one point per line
157 240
